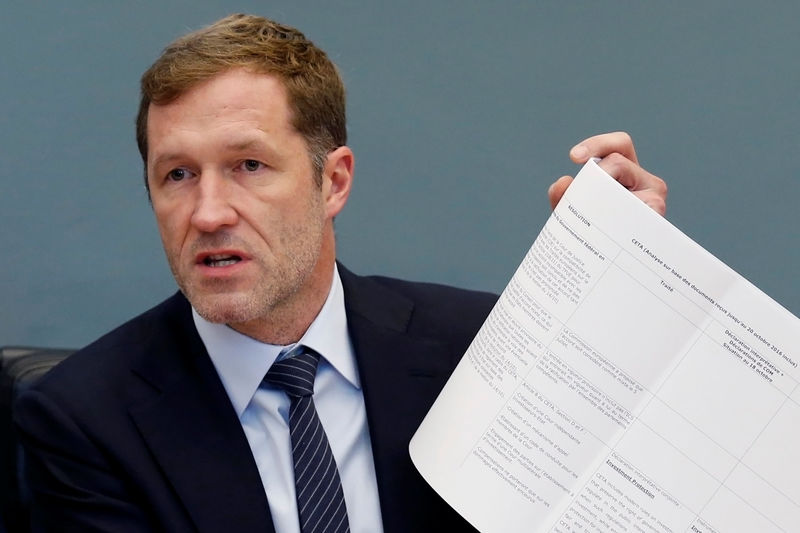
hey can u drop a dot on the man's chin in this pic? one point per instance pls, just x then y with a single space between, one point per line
224 308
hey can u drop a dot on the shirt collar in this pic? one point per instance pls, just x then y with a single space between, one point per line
242 361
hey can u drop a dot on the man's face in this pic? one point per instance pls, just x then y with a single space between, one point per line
242 221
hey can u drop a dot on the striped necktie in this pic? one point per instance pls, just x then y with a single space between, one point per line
320 500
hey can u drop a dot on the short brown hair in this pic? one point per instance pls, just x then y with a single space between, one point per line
314 89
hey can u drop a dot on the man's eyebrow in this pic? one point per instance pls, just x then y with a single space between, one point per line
241 145
165 158
233 145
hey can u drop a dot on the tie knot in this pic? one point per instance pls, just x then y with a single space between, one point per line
295 373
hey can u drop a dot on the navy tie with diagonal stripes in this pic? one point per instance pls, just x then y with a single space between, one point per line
320 500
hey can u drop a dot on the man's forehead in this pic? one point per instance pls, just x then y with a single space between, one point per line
235 95
233 82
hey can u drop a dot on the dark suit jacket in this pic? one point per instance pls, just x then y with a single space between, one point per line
136 432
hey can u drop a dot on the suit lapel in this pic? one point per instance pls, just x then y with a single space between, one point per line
195 436
401 376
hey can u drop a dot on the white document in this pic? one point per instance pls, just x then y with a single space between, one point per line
626 380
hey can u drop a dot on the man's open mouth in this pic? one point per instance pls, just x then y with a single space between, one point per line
221 260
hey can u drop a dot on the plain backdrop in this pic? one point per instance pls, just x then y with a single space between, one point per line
461 113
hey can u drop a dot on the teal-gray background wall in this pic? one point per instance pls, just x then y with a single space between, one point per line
460 113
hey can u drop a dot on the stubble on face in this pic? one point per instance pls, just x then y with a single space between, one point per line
274 292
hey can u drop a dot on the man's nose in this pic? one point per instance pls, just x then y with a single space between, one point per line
213 209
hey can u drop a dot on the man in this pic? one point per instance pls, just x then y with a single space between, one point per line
168 423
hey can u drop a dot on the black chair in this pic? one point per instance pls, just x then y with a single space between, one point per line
19 368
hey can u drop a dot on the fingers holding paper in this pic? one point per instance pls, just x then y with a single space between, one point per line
618 158
649 188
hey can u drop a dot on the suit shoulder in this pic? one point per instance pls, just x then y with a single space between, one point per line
440 296
442 310
110 356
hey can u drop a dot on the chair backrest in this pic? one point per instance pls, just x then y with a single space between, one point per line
20 367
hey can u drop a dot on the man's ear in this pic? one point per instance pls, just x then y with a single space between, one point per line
337 178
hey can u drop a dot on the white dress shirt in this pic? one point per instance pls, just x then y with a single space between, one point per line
242 362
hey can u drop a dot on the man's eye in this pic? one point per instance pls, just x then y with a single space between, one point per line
177 174
251 165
